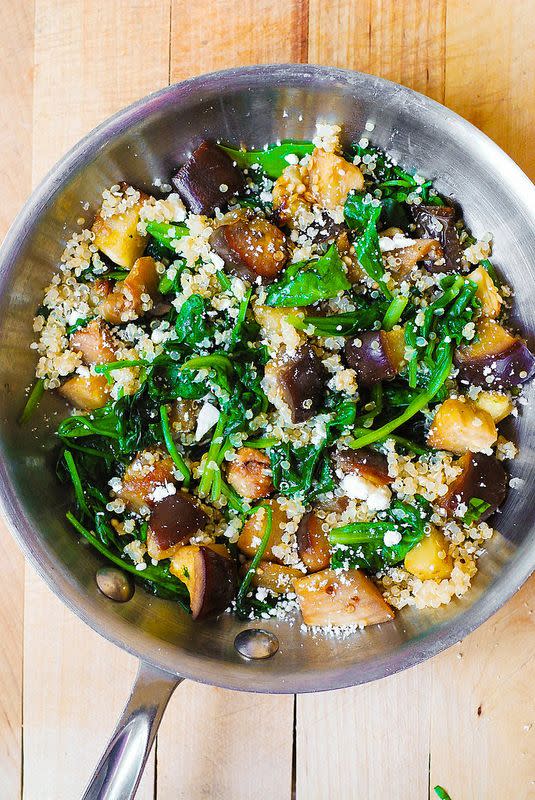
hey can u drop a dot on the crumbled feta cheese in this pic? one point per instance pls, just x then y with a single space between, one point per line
208 416
356 487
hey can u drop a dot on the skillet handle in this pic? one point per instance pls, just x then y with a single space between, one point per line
120 769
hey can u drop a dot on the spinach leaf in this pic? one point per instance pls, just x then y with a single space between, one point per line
303 471
362 217
193 327
364 317
272 159
361 544
305 283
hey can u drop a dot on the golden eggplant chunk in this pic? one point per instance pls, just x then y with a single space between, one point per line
460 426
249 473
429 559
127 299
150 470
95 342
86 392
275 577
496 359
252 249
253 531
312 543
341 598
438 222
117 236
331 178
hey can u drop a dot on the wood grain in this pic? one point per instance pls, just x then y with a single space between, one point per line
368 742
16 91
230 34
467 723
90 60
225 746
403 42
483 721
489 71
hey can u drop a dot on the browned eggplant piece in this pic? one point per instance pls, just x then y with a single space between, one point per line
87 392
149 469
312 543
249 473
483 477
117 236
372 465
95 342
331 178
210 578
297 382
496 360
403 259
429 560
341 598
173 520
438 222
208 179
125 301
251 249
460 426
375 355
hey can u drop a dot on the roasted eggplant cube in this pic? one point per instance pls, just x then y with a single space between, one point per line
312 543
483 477
375 355
208 179
95 342
496 360
252 249
429 560
275 577
297 382
363 461
87 392
460 426
174 520
249 473
438 222
341 598
209 577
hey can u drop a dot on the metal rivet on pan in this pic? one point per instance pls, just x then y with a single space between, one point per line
115 584
256 643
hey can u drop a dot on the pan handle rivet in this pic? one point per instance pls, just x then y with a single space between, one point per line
115 584
256 643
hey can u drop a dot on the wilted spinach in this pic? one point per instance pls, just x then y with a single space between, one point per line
273 159
307 282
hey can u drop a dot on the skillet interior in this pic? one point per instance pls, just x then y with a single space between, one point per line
147 141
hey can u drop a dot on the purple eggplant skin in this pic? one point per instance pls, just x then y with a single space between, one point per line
367 355
510 368
302 382
438 222
483 477
176 518
215 586
200 180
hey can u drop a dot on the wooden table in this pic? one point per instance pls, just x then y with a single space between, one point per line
465 719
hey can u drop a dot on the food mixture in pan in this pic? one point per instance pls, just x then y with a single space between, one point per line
288 368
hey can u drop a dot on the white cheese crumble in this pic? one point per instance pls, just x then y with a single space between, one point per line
208 416
356 487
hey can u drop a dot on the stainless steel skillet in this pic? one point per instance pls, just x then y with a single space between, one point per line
147 141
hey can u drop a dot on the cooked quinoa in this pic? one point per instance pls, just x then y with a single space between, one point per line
286 368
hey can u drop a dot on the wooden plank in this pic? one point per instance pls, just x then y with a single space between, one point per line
489 76
235 34
483 721
367 742
16 91
403 42
225 746
90 60
246 727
